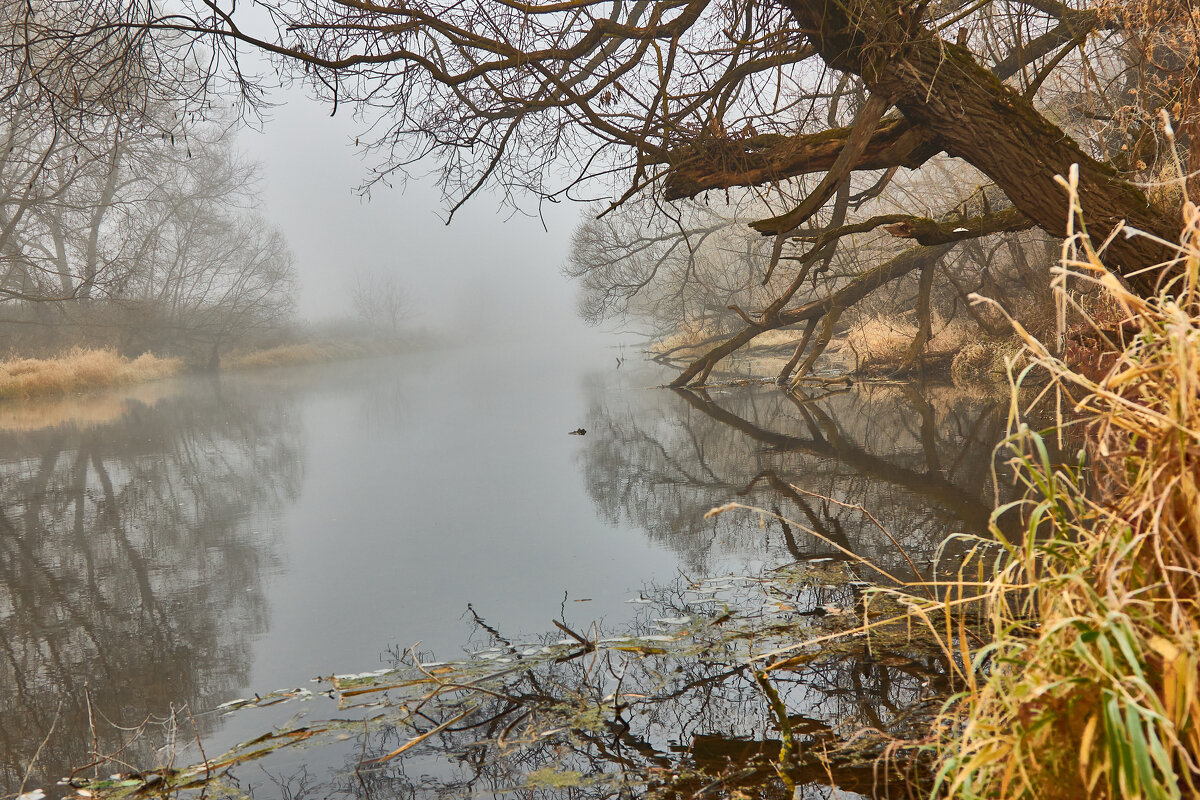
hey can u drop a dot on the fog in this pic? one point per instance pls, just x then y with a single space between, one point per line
491 271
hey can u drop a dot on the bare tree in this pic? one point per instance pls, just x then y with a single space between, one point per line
203 267
152 236
699 95
61 197
81 63
677 275
379 301
692 279
211 279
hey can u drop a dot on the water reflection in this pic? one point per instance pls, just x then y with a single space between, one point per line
919 461
666 707
132 555
638 716
136 549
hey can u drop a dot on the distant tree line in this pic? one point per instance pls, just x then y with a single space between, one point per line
126 214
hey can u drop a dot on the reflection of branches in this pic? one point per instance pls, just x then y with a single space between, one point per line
833 445
130 564
640 715
918 462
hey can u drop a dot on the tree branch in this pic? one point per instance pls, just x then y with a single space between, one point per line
865 125
722 163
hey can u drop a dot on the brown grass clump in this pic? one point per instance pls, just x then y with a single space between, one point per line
80 370
886 342
280 356
984 361
1075 643
1090 684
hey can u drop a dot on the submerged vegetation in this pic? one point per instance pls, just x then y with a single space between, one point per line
672 706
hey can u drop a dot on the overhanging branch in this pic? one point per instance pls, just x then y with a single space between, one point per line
722 163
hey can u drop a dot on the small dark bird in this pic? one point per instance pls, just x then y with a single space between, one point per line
576 432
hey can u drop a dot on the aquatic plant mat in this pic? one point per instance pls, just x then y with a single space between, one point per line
676 705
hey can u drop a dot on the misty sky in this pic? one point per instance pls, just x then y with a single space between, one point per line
489 266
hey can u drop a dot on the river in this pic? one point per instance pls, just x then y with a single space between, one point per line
174 546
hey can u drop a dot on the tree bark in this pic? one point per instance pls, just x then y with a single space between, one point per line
91 261
719 163
939 87
722 163
857 142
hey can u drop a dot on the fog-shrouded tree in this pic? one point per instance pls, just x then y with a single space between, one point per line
208 268
91 100
688 281
805 106
126 214
149 237
379 301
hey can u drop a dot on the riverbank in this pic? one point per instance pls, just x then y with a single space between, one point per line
1087 683
299 354
82 369
1061 648
871 349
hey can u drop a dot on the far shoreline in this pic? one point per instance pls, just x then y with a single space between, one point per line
80 370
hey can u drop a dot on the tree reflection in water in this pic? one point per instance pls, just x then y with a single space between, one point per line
919 461
669 706
640 717
132 555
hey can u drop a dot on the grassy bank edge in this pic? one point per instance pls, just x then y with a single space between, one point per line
1087 683
83 369
80 370
1075 645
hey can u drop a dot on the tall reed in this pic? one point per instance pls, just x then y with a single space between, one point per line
1089 683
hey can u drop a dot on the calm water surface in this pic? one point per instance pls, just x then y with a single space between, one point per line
195 541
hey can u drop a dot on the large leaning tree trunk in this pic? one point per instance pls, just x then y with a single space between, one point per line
940 87
948 102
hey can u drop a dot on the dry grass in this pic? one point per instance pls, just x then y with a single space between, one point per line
1076 644
79 370
1090 684
82 369
885 341
985 362
684 339
284 355
307 353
